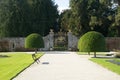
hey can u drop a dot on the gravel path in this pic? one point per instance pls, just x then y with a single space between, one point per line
66 66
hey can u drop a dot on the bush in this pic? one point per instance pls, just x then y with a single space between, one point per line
60 48
34 41
92 42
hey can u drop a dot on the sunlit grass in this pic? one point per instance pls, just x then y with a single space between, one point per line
92 53
105 63
13 63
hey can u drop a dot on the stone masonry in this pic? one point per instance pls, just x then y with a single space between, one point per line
17 44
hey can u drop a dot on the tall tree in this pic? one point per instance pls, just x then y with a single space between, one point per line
44 16
80 15
91 15
64 20
99 12
117 21
114 29
14 15
18 18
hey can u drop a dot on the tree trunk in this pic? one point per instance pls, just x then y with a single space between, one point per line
35 51
95 54
88 53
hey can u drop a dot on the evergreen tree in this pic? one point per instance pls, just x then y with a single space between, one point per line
15 18
44 16
19 18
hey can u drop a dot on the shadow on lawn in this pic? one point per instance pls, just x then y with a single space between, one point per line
114 62
4 56
104 57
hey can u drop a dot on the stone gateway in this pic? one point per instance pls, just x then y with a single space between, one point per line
66 41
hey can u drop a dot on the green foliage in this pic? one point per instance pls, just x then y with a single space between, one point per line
117 21
79 21
64 20
19 18
14 18
13 63
117 17
60 48
92 42
44 16
87 15
34 41
92 53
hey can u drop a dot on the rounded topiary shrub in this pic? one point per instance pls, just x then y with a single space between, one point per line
34 41
92 42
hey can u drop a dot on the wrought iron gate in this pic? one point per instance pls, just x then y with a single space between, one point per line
60 41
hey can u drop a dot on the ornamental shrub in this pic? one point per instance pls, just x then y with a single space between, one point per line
92 42
34 41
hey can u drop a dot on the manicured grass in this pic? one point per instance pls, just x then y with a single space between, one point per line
103 62
91 53
12 64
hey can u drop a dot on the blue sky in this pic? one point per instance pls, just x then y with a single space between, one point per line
62 4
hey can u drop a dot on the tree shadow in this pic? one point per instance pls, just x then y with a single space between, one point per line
114 62
104 57
4 56
45 63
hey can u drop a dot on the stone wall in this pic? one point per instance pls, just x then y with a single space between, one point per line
72 41
17 44
113 43
12 44
49 41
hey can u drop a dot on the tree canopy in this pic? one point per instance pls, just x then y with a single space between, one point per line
87 15
18 18
34 41
92 42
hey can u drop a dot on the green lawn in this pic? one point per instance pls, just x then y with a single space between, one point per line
91 53
103 62
12 64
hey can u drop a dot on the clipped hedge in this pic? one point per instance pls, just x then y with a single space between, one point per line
34 41
92 42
